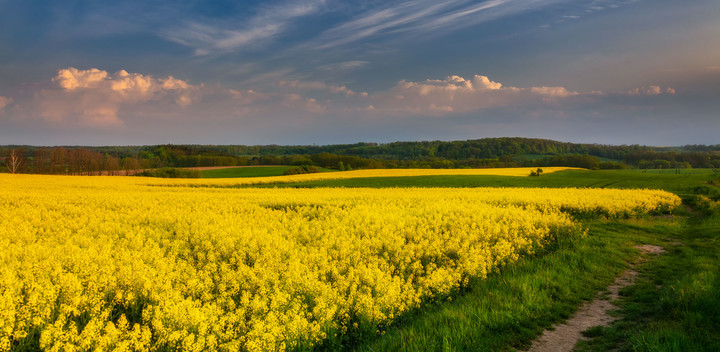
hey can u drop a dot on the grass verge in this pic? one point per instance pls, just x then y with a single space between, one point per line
680 184
675 304
511 307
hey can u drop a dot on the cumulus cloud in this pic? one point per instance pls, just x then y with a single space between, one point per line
296 101
313 85
246 97
651 91
459 94
4 101
72 78
94 96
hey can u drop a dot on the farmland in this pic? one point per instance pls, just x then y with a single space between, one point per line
244 171
361 176
138 263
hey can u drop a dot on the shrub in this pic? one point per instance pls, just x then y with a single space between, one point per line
305 169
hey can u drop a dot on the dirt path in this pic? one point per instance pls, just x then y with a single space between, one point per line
564 337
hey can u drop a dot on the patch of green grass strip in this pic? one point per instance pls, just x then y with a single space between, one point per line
675 303
680 184
511 307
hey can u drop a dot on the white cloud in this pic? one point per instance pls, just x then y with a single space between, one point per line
221 36
94 97
344 66
296 101
552 91
651 91
72 78
314 85
246 97
97 98
420 17
4 101
456 94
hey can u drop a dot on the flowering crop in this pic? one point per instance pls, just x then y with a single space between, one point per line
110 263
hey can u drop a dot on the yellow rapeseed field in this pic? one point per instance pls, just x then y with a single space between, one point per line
130 263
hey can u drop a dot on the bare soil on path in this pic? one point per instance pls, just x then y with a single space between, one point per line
564 337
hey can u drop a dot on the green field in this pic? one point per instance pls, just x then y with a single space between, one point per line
252 171
674 305
681 184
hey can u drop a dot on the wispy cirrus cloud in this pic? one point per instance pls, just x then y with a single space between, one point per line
211 36
421 17
344 66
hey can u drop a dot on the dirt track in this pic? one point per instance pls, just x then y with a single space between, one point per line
564 337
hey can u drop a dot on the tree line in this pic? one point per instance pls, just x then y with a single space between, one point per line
64 161
483 153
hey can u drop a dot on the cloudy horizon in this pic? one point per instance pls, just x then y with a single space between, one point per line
328 72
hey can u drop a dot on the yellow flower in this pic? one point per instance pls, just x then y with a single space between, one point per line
129 263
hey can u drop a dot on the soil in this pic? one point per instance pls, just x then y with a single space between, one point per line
564 337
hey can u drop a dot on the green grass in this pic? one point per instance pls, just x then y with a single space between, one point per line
675 171
681 184
512 306
255 171
675 304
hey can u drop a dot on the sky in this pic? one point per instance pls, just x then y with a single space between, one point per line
315 72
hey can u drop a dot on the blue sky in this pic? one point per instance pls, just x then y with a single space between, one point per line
326 71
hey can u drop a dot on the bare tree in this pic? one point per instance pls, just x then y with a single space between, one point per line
111 165
41 161
15 161
58 160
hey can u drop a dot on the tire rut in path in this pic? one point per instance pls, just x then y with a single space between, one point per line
564 337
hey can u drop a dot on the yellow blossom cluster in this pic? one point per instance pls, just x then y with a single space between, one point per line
111 263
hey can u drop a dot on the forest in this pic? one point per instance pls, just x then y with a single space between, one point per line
480 153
